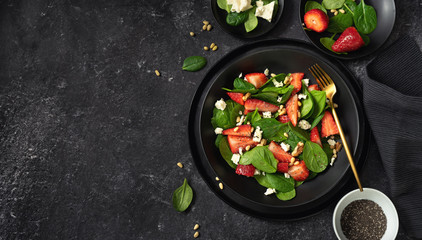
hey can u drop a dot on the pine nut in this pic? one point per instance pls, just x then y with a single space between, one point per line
209 27
251 128
196 227
292 160
296 163
249 123
238 119
299 103
342 11
291 164
180 165
335 105
192 34
338 146
263 141
298 114
204 27
273 75
335 156
331 147
196 235
333 10
205 48
248 148
215 48
220 185
283 111
235 129
335 13
217 178
286 135
157 73
205 22
334 151
212 45
247 95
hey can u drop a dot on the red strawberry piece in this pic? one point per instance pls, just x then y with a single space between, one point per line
315 136
283 118
299 172
349 41
313 87
328 125
236 142
296 82
316 20
245 170
292 107
246 111
283 167
279 153
257 79
237 97
252 104
242 130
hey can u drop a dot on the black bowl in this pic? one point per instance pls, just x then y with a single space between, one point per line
243 193
386 16
239 31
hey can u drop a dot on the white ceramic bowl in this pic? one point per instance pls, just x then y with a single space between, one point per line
370 194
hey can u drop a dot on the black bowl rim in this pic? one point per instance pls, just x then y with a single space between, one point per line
346 178
343 56
250 36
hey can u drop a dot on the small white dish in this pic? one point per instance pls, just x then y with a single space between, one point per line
374 195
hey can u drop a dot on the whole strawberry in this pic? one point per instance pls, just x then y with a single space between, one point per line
316 20
349 41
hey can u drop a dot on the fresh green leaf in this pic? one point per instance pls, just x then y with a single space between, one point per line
328 151
365 39
350 6
223 5
218 140
314 5
182 197
225 152
240 84
253 117
272 129
235 18
263 180
328 43
285 91
302 134
281 183
298 183
317 120
314 157
319 100
194 63
332 4
252 20
311 176
269 83
285 196
365 18
340 22
262 158
307 104
269 97
226 118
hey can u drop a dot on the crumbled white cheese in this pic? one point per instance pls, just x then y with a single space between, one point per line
332 161
305 125
263 173
331 142
277 84
265 11
257 172
240 112
306 81
257 136
240 75
220 104
236 158
266 114
242 119
218 131
286 175
245 79
327 101
279 98
229 2
270 191
266 72
285 146
240 151
302 96
241 5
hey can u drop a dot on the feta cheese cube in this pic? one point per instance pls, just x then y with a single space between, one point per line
265 11
257 172
285 146
286 175
331 142
277 84
305 125
263 173
266 72
218 131
220 104
236 158
240 75
240 151
242 119
257 136
279 98
302 96
241 5
269 191
306 81
266 114
332 161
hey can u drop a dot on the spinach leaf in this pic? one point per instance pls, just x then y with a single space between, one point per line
319 100
340 22
299 132
280 183
194 63
218 140
298 183
285 196
317 120
328 43
272 129
241 84
182 197
285 91
235 18
307 104
350 6
225 152
365 39
261 157
252 20
223 5
328 151
263 181
269 97
314 157
226 118
253 117
277 90
365 18
332 4
314 5
269 83
311 176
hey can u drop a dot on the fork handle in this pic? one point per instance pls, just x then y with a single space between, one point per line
346 147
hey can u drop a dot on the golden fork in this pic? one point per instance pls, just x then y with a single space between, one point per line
326 84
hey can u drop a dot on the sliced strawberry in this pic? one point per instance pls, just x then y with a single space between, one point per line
315 136
316 20
279 153
237 97
328 125
283 118
292 108
349 41
246 111
257 79
313 87
242 130
252 104
299 172
236 142
296 82
245 170
283 167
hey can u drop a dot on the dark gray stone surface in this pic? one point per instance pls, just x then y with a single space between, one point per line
90 137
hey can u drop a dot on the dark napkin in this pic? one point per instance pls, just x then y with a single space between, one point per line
392 97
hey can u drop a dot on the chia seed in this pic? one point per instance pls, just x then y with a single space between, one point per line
363 219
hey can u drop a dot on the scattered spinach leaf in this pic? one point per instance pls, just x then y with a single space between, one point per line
285 196
332 4
194 63
314 157
252 21
272 129
365 18
281 183
340 22
350 6
182 197
365 39
314 5
226 118
235 18
223 5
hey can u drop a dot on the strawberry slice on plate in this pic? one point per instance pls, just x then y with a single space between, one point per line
283 118
236 142
313 87
237 97
328 125
283 167
279 153
349 41
257 79
299 172
296 82
252 104
315 136
245 170
242 130
292 108
316 20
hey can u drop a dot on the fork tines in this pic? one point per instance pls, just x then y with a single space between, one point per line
320 75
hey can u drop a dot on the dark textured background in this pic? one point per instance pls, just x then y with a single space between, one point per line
90 137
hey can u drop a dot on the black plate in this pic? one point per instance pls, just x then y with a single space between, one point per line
386 16
239 31
243 193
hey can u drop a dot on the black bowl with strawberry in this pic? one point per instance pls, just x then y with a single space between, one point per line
347 29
